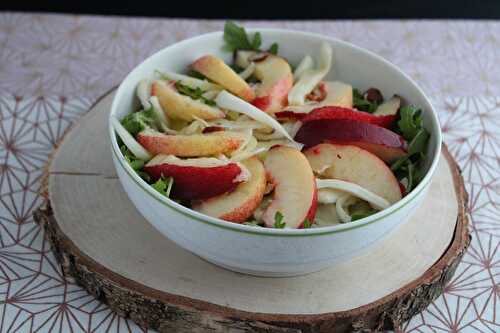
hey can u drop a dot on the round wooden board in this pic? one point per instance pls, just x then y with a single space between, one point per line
107 247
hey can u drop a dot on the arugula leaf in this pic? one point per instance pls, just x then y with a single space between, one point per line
138 121
307 224
419 142
164 185
399 163
360 215
257 41
273 49
410 121
278 220
236 68
236 38
360 209
362 104
411 173
134 162
196 74
418 173
194 93
144 176
411 166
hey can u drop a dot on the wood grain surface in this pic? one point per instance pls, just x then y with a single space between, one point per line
102 242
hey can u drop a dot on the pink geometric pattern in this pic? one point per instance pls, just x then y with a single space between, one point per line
53 67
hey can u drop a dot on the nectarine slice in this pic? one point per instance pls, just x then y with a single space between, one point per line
355 165
295 195
196 178
238 205
335 112
389 107
380 141
214 143
337 94
388 110
178 106
216 70
276 79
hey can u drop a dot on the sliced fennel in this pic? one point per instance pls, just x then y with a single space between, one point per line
279 142
247 72
204 162
190 81
328 195
291 128
311 77
196 127
271 136
230 102
247 154
210 94
144 92
246 145
244 175
203 121
129 141
266 201
326 215
247 149
305 64
341 207
238 124
354 189
160 114
255 148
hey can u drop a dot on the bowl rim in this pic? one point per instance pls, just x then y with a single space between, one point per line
286 232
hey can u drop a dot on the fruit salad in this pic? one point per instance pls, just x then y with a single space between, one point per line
269 143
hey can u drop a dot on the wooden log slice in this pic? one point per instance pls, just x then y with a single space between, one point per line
107 247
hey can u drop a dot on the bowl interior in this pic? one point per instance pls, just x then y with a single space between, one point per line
351 64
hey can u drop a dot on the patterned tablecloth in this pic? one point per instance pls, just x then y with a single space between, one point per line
53 67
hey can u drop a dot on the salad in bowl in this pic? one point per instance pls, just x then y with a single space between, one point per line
269 143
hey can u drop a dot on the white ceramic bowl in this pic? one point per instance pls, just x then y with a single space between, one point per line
262 251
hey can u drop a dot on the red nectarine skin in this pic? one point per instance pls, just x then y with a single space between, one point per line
211 129
191 182
322 93
336 112
276 97
316 150
290 115
262 102
402 189
153 89
382 142
281 89
238 205
295 194
311 214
